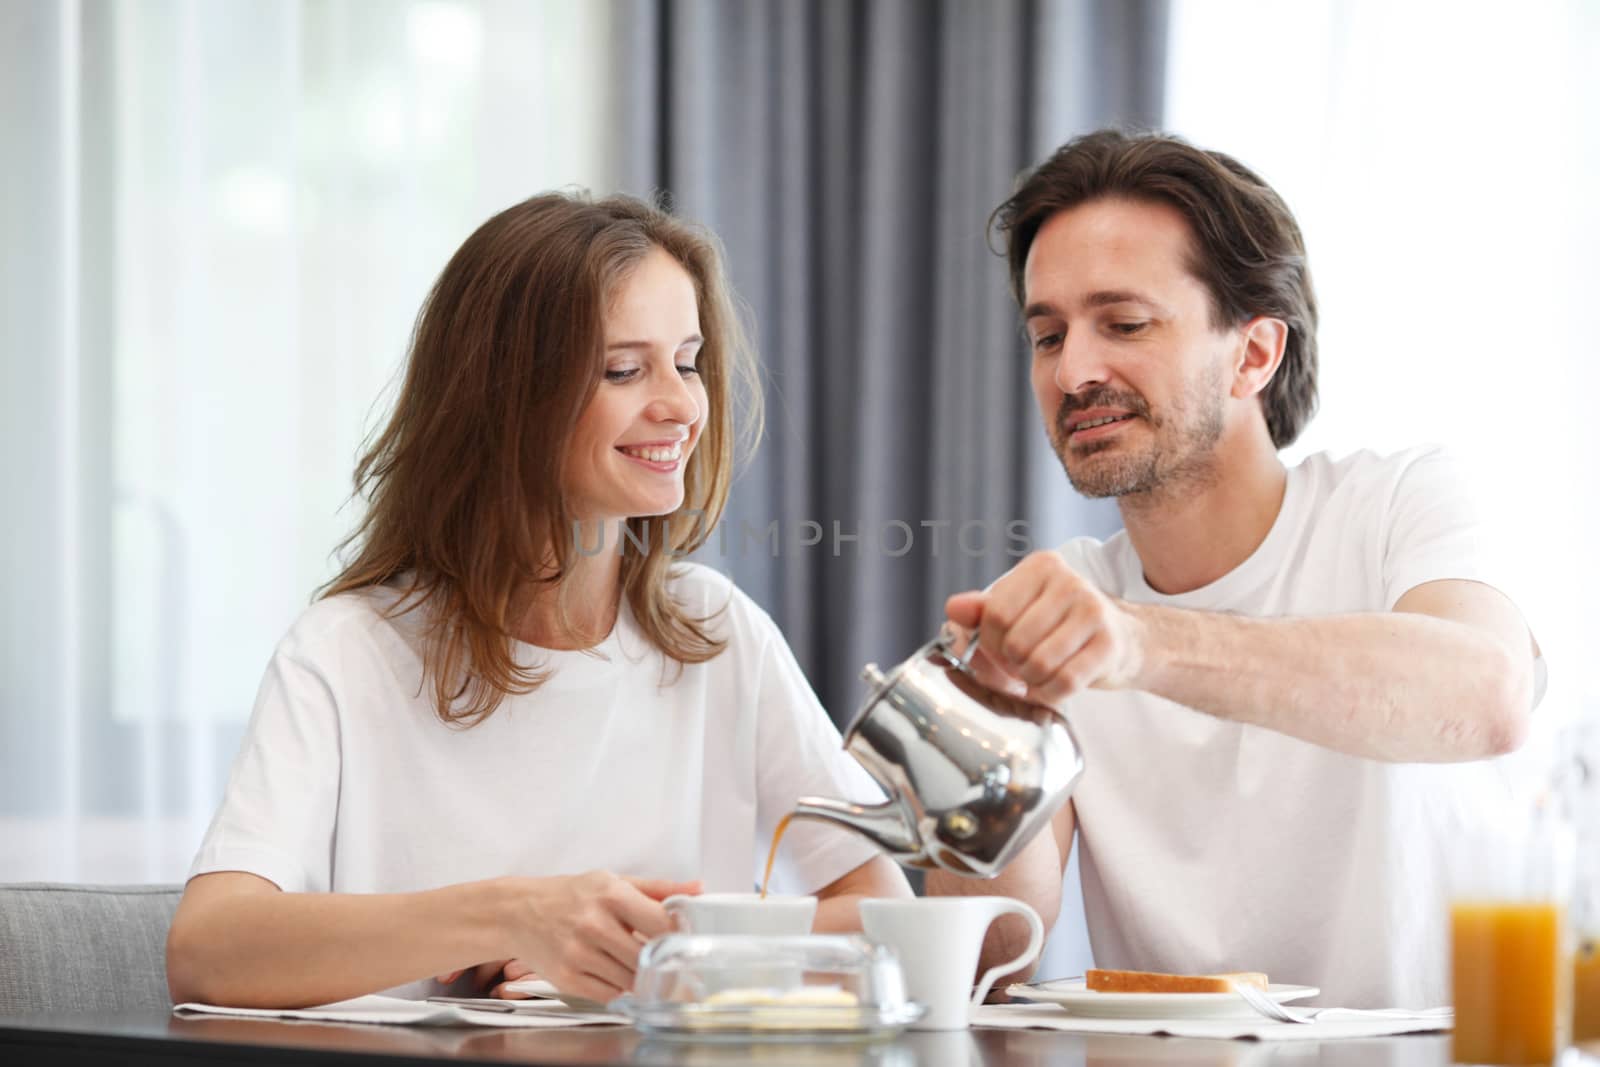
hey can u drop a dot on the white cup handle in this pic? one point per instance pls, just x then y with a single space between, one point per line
674 906
1035 943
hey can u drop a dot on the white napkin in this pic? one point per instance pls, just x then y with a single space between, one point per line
398 1012
1331 1025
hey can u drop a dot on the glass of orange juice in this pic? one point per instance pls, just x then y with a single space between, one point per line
1586 991
1510 941
1583 801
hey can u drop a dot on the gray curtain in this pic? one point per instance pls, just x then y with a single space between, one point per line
848 154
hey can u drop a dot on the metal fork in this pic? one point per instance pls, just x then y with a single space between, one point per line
1264 1004
1284 1014
511 1007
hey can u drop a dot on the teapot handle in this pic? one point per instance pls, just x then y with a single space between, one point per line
948 634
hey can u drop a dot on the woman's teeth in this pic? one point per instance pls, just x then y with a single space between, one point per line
656 455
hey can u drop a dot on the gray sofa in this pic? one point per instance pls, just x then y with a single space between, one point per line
67 948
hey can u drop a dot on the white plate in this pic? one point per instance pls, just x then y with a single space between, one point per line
1076 999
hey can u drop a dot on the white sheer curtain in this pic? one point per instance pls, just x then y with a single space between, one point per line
226 218
1442 159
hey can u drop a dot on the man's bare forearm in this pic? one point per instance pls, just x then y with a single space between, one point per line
1390 686
839 903
1446 675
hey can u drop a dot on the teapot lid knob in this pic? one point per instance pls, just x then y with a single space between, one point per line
872 675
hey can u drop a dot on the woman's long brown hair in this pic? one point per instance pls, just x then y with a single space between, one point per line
464 483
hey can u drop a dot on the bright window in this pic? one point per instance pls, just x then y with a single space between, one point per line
1441 159
263 193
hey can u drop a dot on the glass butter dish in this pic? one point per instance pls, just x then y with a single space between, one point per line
709 987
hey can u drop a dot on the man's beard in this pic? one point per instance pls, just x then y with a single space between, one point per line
1110 469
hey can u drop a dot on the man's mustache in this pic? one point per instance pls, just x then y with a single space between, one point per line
1101 397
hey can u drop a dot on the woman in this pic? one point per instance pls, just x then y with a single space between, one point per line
516 722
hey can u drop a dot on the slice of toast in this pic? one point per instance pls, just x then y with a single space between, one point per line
1153 982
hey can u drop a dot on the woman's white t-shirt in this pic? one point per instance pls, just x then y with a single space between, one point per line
1211 846
347 781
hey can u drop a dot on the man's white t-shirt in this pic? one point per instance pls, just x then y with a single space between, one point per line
1210 846
347 781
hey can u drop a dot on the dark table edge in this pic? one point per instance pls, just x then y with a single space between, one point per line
58 1046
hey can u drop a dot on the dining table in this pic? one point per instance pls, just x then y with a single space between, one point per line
154 1038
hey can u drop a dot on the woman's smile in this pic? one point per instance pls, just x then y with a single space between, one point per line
662 456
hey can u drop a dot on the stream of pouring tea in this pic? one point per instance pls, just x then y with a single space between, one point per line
772 853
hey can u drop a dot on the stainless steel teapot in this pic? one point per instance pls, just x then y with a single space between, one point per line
971 773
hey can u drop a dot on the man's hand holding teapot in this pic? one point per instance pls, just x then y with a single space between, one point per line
1045 633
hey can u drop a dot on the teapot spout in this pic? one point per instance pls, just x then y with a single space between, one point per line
885 825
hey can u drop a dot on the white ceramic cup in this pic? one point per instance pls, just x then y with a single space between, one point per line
938 940
742 913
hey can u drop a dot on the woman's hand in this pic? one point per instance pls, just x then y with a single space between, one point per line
489 979
582 932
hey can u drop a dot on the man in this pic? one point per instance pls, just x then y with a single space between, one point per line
1267 667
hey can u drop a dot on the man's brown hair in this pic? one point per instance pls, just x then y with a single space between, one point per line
464 484
1246 248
